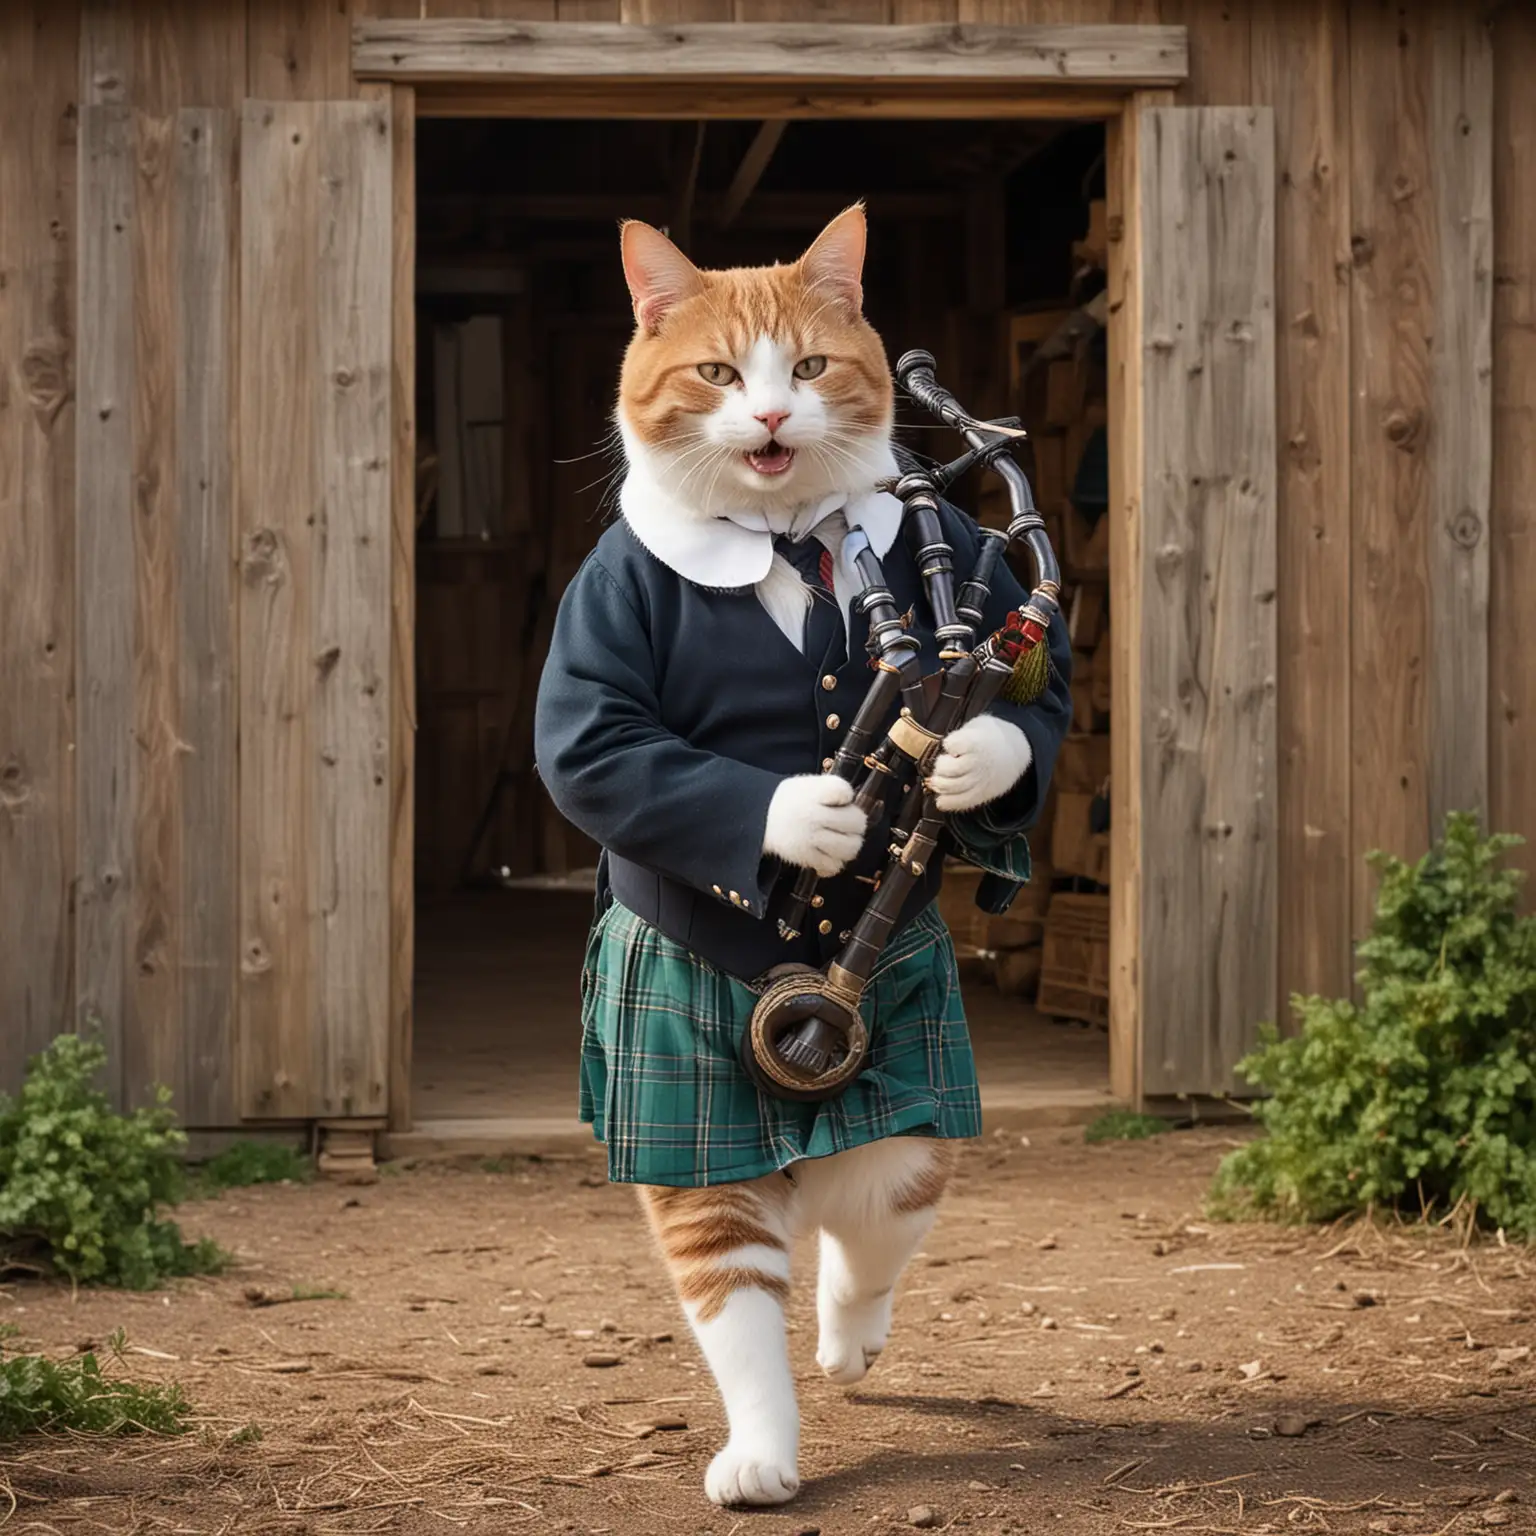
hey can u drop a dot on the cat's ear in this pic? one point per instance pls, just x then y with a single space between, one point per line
835 262
658 274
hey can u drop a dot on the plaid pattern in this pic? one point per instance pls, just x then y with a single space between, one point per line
663 1086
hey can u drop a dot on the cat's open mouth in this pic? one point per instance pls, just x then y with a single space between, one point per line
772 459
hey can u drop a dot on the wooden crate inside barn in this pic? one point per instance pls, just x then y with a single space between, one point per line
1074 973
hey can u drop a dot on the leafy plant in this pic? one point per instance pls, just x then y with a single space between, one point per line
1423 1094
1125 1125
251 1162
37 1393
81 1186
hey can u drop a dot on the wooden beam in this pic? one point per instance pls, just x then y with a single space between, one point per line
1124 57
660 99
750 171
680 216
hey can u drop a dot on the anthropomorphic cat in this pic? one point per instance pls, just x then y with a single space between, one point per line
705 660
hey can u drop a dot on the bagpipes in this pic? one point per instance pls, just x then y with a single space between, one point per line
806 1038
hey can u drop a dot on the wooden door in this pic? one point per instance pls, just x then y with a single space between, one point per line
313 528
1204 568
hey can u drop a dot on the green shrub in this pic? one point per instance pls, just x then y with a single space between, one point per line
251 1162
41 1394
81 1186
1423 1095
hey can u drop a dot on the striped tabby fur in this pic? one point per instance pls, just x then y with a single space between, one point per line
728 1249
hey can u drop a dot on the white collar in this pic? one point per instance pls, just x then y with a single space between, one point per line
736 549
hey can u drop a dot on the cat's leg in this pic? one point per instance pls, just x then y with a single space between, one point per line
728 1249
875 1204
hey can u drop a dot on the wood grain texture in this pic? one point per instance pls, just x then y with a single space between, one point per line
203 295
151 1024
1124 213
480 50
1512 620
1208 626
349 862
1392 320
1461 362
402 697
106 763
187 53
654 12
298 50
580 97
39 90
1219 49
315 519
1300 68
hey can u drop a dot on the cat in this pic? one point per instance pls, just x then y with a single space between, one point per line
756 409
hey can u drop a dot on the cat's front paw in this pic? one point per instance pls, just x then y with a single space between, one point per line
752 1474
813 822
852 1335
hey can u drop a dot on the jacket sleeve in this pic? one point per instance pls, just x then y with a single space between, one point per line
985 833
615 771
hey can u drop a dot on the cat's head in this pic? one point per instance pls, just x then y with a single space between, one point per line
757 387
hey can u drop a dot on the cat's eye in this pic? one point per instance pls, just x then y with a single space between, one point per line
810 367
718 373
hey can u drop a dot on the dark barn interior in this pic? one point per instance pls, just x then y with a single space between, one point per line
986 247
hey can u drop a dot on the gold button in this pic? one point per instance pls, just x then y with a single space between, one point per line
826 765
818 901
829 682
747 904
716 889
824 926
736 898
833 721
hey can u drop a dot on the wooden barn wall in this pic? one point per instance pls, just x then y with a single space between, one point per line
1406 357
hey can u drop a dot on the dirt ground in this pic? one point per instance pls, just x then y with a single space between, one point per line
1077 1351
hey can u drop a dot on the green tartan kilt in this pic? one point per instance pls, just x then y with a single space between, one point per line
663 1086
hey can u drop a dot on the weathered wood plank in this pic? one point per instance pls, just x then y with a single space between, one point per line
152 1019
314 513
402 683
1124 147
39 75
106 764
1208 953
1301 69
689 101
187 53
203 294
279 496
1512 622
297 50
348 859
1392 318
1461 362
1219 49
651 12
1123 57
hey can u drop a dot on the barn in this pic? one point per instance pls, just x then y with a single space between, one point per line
308 326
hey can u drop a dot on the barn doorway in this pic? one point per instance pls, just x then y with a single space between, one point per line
988 247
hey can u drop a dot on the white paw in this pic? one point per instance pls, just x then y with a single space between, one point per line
813 822
752 1474
852 1335
979 762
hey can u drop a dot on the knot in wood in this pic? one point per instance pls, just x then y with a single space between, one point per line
14 789
263 558
1403 428
344 377
1361 250
1467 529
326 661
1169 558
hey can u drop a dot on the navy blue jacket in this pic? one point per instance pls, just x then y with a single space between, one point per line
668 714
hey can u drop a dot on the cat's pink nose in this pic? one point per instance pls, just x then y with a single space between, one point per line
773 420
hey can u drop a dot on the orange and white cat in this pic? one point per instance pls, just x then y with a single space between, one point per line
755 397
